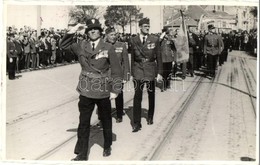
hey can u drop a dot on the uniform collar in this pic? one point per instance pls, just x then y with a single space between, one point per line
95 42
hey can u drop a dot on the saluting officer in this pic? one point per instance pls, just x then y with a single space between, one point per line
96 86
122 54
212 49
146 62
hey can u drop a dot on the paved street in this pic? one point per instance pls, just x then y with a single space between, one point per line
202 119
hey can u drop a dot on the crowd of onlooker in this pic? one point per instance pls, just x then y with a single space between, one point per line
244 40
40 51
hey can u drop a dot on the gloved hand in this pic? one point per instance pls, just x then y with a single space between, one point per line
162 35
76 28
113 96
11 60
159 78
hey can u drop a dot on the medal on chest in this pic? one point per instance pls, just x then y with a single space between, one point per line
102 54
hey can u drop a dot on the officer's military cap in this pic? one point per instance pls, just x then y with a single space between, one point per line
93 23
110 29
211 27
144 21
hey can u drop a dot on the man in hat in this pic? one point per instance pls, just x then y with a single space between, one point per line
122 54
96 86
146 62
168 53
11 56
212 49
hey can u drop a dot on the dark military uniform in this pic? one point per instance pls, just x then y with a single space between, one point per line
227 46
193 44
167 52
212 48
94 87
11 59
146 62
122 54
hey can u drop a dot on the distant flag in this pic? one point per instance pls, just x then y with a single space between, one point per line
181 43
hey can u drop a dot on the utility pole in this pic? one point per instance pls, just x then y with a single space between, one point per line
39 20
130 24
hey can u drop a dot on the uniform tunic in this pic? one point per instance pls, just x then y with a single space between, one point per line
95 80
146 60
122 54
212 44
94 87
146 63
212 47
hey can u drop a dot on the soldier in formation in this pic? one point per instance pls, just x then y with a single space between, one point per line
100 74
213 46
146 65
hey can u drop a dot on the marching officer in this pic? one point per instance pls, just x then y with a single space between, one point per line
146 63
96 86
11 56
212 49
122 54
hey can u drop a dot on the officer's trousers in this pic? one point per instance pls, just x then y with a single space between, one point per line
137 109
86 106
167 70
191 64
212 63
120 104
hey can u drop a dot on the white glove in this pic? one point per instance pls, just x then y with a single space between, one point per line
11 60
162 35
76 28
159 78
113 96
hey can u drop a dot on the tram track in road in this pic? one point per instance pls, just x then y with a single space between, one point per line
62 144
59 146
241 135
248 77
162 145
20 118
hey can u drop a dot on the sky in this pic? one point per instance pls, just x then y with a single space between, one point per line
52 16
57 16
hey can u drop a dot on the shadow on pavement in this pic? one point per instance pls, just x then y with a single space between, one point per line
129 113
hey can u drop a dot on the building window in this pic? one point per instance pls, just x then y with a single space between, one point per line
224 23
219 8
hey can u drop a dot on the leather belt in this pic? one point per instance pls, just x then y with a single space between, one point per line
143 60
93 74
212 46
